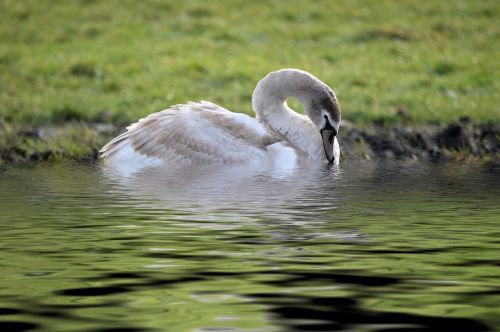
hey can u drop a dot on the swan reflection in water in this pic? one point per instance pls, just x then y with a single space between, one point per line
292 205
245 188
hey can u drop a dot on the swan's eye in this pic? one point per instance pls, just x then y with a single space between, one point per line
328 124
327 121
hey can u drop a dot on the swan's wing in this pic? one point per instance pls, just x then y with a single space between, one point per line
194 132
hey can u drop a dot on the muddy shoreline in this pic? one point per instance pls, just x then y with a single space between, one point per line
459 140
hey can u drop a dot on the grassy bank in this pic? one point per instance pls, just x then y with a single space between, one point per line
424 62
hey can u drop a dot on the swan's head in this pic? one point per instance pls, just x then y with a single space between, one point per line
324 111
320 103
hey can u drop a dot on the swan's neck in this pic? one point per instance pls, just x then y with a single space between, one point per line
269 104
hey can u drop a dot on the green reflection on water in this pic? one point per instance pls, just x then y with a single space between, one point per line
367 247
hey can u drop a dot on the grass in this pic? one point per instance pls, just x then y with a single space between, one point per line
115 61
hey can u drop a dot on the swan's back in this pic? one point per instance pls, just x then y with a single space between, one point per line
191 133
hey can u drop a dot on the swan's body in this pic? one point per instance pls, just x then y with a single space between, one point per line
205 133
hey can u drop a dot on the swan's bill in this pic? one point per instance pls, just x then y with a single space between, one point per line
328 136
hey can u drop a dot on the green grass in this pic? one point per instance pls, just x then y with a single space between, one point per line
115 61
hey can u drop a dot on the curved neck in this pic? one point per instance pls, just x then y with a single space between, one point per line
269 104
277 86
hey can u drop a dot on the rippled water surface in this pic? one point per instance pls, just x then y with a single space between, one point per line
367 247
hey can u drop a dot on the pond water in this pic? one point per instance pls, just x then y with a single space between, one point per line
369 246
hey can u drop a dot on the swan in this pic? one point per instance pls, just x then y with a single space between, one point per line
205 133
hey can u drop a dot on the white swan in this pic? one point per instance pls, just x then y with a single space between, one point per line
205 133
